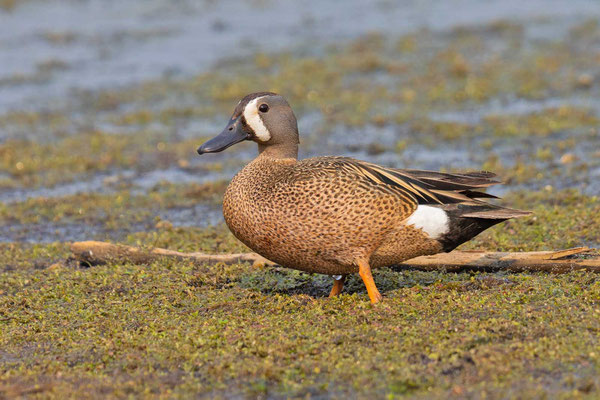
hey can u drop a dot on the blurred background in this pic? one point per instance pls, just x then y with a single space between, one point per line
103 103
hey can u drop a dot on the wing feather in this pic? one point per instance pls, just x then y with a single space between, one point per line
422 187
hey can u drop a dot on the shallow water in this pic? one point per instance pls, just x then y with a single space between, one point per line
98 44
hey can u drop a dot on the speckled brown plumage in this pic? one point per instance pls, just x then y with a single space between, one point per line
321 215
337 215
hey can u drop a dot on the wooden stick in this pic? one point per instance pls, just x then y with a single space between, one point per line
93 253
535 261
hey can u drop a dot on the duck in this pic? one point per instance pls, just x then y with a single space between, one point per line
338 215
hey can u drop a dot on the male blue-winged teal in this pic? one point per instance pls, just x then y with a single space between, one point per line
338 215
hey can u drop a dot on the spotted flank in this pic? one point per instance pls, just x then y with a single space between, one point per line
445 207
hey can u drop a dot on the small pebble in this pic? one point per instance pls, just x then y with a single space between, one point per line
55 267
163 225
111 180
567 158
585 81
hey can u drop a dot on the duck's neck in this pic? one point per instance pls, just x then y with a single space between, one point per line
279 151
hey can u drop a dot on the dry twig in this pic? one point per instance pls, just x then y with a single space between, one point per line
561 261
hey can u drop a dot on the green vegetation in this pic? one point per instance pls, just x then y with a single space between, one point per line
373 81
174 328
32 163
560 220
550 121
121 207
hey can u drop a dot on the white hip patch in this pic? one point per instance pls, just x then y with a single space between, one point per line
432 220
255 121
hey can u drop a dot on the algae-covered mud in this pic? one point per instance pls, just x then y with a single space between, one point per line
102 106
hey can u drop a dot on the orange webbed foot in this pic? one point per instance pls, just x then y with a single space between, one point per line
364 270
338 285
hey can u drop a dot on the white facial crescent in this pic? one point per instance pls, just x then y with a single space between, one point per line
255 121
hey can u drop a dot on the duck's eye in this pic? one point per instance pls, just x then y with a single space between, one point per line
263 108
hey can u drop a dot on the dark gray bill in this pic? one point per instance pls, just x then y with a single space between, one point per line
233 133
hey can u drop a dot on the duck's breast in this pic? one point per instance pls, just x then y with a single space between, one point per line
317 224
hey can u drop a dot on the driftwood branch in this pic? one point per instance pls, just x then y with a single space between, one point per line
94 253
580 258
561 261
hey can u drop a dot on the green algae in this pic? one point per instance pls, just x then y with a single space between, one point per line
373 80
215 239
111 210
173 329
560 219
32 163
544 123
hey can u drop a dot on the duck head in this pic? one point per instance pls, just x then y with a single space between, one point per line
265 118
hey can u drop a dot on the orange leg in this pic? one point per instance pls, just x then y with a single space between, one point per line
338 286
364 270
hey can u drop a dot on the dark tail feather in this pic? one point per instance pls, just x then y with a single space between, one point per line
493 212
445 181
467 221
459 195
472 194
